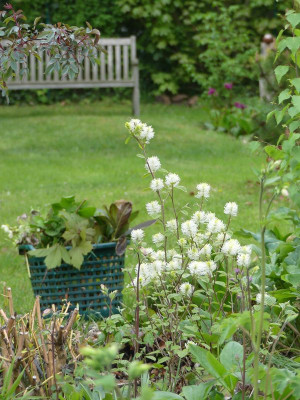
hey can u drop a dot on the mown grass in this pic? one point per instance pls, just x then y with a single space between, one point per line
51 151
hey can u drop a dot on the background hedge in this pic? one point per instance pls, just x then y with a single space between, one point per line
184 46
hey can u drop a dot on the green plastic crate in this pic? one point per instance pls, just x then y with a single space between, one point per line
82 287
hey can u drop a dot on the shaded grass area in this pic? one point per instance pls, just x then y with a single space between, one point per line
52 151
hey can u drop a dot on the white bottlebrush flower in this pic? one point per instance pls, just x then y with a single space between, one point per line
137 235
193 253
153 208
145 275
158 255
158 238
206 250
156 184
243 260
172 180
182 242
199 238
199 217
173 265
215 225
203 190
7 230
210 216
246 249
158 267
147 133
186 289
153 164
198 268
269 300
133 124
189 228
212 266
231 247
172 225
172 253
285 192
231 208
222 237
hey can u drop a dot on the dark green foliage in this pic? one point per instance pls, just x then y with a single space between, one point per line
183 45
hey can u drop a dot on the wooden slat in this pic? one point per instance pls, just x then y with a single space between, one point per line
102 66
32 68
115 41
56 76
118 62
86 69
41 67
95 68
110 63
26 66
125 62
48 76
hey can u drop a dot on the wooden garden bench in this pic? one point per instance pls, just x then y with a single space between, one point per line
118 68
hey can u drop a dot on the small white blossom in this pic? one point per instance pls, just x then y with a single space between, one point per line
212 266
231 247
158 255
7 230
147 133
203 190
222 237
199 217
243 260
215 225
186 289
133 124
158 238
153 164
199 238
153 208
269 300
285 192
156 184
172 180
198 268
246 249
206 250
137 235
145 275
158 267
182 242
172 225
193 253
231 208
189 228
173 265
210 216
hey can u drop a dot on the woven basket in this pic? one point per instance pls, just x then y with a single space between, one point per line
79 287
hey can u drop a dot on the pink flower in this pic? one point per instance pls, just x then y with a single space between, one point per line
240 105
228 85
211 91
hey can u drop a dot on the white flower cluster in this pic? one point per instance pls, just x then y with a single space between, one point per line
140 130
153 208
152 164
203 191
7 230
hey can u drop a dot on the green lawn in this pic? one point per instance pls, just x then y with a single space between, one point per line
51 151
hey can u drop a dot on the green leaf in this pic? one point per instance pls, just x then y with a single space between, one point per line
53 255
280 71
213 367
296 102
294 19
197 392
296 83
232 356
273 152
77 253
284 96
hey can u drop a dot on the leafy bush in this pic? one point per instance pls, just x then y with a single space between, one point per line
75 224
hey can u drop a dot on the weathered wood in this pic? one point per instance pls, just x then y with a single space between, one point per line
118 68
